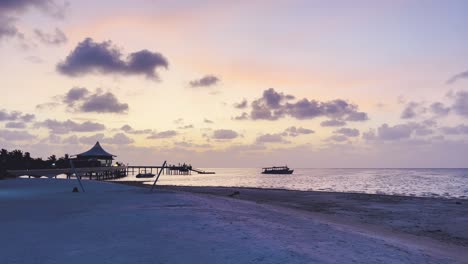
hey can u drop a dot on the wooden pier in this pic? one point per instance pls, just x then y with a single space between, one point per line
108 173
92 173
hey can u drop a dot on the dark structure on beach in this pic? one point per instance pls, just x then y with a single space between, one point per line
95 157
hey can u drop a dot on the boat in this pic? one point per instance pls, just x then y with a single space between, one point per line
277 170
145 175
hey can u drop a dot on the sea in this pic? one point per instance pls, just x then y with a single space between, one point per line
445 183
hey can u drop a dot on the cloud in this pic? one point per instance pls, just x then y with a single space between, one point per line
128 129
338 138
163 134
64 127
224 134
205 81
7 28
20 125
456 130
15 135
332 123
439 109
241 105
75 94
90 57
185 127
103 103
296 131
207 121
460 106
10 10
119 139
274 105
412 109
270 138
456 77
15 116
243 116
57 38
396 132
348 132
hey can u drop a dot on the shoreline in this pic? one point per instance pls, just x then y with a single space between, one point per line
439 218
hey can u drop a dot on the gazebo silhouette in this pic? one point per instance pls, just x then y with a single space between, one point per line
96 155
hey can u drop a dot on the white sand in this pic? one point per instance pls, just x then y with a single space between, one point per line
42 221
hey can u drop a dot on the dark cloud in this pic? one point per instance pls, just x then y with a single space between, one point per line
224 134
332 123
459 76
296 131
270 138
20 125
205 81
92 57
439 109
57 38
460 106
274 105
207 121
348 132
15 135
241 105
64 127
75 94
163 134
15 116
456 130
103 103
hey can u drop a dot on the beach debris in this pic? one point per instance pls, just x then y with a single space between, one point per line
234 194
75 189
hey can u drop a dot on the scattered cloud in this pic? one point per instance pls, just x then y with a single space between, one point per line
207 121
64 127
91 57
456 77
455 130
243 116
57 38
439 109
274 105
19 125
348 132
412 110
338 138
82 100
241 105
129 130
185 127
205 81
460 106
333 123
296 131
270 138
224 134
15 135
163 134
15 116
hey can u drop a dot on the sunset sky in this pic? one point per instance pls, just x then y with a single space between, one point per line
238 83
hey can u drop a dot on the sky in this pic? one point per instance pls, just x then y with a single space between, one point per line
238 83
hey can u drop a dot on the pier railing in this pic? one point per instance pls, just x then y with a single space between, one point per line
97 173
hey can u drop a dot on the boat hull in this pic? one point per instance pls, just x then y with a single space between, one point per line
145 175
278 172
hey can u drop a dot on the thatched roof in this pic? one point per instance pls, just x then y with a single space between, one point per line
96 151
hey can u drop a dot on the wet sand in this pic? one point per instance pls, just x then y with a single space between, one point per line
443 220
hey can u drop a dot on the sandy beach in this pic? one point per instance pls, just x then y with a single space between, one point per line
44 222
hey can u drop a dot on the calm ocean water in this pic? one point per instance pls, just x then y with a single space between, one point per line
409 182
